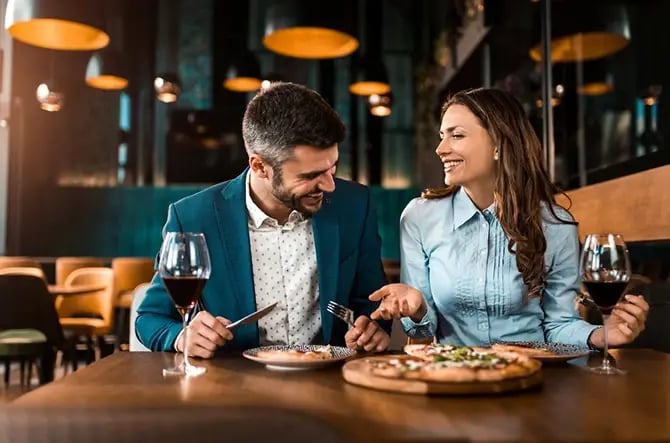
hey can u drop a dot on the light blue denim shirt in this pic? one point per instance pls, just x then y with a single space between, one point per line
457 256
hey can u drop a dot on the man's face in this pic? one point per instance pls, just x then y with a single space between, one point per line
299 183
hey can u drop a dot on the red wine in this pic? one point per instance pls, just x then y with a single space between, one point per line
184 290
605 294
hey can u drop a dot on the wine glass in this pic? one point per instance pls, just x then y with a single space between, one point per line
184 268
605 268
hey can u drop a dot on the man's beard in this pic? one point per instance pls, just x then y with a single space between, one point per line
293 201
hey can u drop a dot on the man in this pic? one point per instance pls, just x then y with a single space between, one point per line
284 231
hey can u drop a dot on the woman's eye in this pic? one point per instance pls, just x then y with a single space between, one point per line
457 136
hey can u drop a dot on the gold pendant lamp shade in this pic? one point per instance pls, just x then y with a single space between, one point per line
167 87
598 78
371 78
68 25
310 29
105 71
243 74
585 30
380 104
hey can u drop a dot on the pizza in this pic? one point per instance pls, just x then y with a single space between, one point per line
455 364
525 350
320 353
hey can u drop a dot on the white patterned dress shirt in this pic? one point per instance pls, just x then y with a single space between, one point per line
284 270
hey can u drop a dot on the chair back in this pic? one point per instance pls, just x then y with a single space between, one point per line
9 261
135 343
98 303
129 272
27 304
65 266
17 270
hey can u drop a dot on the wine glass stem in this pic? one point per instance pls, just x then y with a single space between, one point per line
185 363
606 361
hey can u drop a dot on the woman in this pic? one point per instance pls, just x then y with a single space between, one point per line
492 257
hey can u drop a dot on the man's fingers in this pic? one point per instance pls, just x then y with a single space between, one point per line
638 301
367 335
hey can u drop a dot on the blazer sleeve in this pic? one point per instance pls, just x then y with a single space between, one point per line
158 323
369 271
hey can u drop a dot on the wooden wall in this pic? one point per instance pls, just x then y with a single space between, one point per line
636 206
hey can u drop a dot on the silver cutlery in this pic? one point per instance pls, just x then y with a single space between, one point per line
342 312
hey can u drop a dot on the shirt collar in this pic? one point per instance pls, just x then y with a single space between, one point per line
256 214
464 209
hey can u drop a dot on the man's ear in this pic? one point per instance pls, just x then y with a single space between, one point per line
258 167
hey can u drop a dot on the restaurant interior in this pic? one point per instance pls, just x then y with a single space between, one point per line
110 110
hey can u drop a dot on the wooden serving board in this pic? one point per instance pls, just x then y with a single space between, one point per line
357 372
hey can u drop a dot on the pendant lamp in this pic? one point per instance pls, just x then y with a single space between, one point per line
380 104
167 87
585 30
371 78
69 25
49 97
598 78
310 29
243 74
105 70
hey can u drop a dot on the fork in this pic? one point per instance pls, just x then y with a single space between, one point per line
342 312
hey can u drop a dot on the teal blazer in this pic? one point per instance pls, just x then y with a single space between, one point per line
347 246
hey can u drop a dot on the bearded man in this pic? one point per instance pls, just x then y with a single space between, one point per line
285 231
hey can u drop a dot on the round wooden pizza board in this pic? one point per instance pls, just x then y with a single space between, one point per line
357 372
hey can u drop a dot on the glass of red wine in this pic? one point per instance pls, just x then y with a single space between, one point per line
184 268
605 267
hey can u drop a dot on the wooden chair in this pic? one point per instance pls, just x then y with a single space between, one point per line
65 266
8 261
35 272
129 272
90 314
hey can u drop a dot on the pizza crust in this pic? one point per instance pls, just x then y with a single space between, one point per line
323 353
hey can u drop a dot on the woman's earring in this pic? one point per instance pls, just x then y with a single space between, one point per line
496 156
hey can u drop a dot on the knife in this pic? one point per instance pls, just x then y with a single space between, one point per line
253 317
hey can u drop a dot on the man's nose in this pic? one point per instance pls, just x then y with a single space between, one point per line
327 182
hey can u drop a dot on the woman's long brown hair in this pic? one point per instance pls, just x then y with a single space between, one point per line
521 183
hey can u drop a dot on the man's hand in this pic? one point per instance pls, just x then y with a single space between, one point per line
206 334
399 300
367 335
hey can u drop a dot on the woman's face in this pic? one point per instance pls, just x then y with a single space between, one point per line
466 149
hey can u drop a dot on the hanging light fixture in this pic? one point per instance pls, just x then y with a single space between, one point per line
271 78
167 87
49 98
586 31
310 29
380 104
105 71
68 25
598 79
243 73
371 78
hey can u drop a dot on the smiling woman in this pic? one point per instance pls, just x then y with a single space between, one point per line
492 257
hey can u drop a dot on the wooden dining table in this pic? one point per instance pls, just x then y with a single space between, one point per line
570 405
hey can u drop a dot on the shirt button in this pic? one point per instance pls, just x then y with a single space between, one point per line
484 225
481 280
482 252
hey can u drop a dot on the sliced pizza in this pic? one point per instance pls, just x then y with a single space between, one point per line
455 364
321 353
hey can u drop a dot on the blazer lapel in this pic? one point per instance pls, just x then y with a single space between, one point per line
231 217
327 244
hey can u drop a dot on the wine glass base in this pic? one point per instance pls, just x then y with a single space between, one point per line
181 371
610 370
